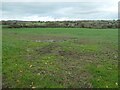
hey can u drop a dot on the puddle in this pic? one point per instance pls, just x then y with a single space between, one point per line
54 40
50 40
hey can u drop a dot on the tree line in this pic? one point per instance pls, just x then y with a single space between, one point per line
102 24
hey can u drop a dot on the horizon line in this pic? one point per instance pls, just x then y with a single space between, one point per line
66 20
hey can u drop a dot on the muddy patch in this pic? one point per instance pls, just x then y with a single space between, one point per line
56 49
46 49
84 41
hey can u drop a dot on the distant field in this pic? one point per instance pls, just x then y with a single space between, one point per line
60 58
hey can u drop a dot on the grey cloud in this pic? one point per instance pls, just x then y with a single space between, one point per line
57 10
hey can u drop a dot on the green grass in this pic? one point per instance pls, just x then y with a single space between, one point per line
77 57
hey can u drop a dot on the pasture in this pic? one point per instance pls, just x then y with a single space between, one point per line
59 58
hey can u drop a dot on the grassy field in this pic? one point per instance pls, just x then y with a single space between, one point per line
60 58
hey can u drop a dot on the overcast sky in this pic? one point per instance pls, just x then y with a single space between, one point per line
51 11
